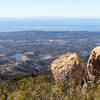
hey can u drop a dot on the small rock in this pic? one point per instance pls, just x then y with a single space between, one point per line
67 69
93 65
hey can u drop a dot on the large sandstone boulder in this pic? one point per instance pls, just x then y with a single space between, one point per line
68 68
93 65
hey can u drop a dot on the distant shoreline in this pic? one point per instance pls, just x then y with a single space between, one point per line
48 31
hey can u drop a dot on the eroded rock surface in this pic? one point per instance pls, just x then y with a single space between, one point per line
68 68
93 65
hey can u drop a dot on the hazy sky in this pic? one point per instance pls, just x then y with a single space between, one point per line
50 8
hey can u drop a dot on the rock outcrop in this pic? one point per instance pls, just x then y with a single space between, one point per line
93 65
68 68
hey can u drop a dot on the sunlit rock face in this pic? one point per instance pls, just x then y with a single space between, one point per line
68 68
93 65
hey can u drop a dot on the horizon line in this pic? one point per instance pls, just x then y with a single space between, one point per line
54 17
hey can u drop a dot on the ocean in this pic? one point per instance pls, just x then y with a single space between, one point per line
49 24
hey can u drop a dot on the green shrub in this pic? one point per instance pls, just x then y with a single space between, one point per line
42 87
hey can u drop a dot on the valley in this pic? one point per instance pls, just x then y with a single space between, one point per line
33 51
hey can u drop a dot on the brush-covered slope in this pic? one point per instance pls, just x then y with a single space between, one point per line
41 86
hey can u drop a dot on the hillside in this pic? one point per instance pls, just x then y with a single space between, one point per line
25 79
41 86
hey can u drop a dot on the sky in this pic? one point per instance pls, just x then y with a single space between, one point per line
50 8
